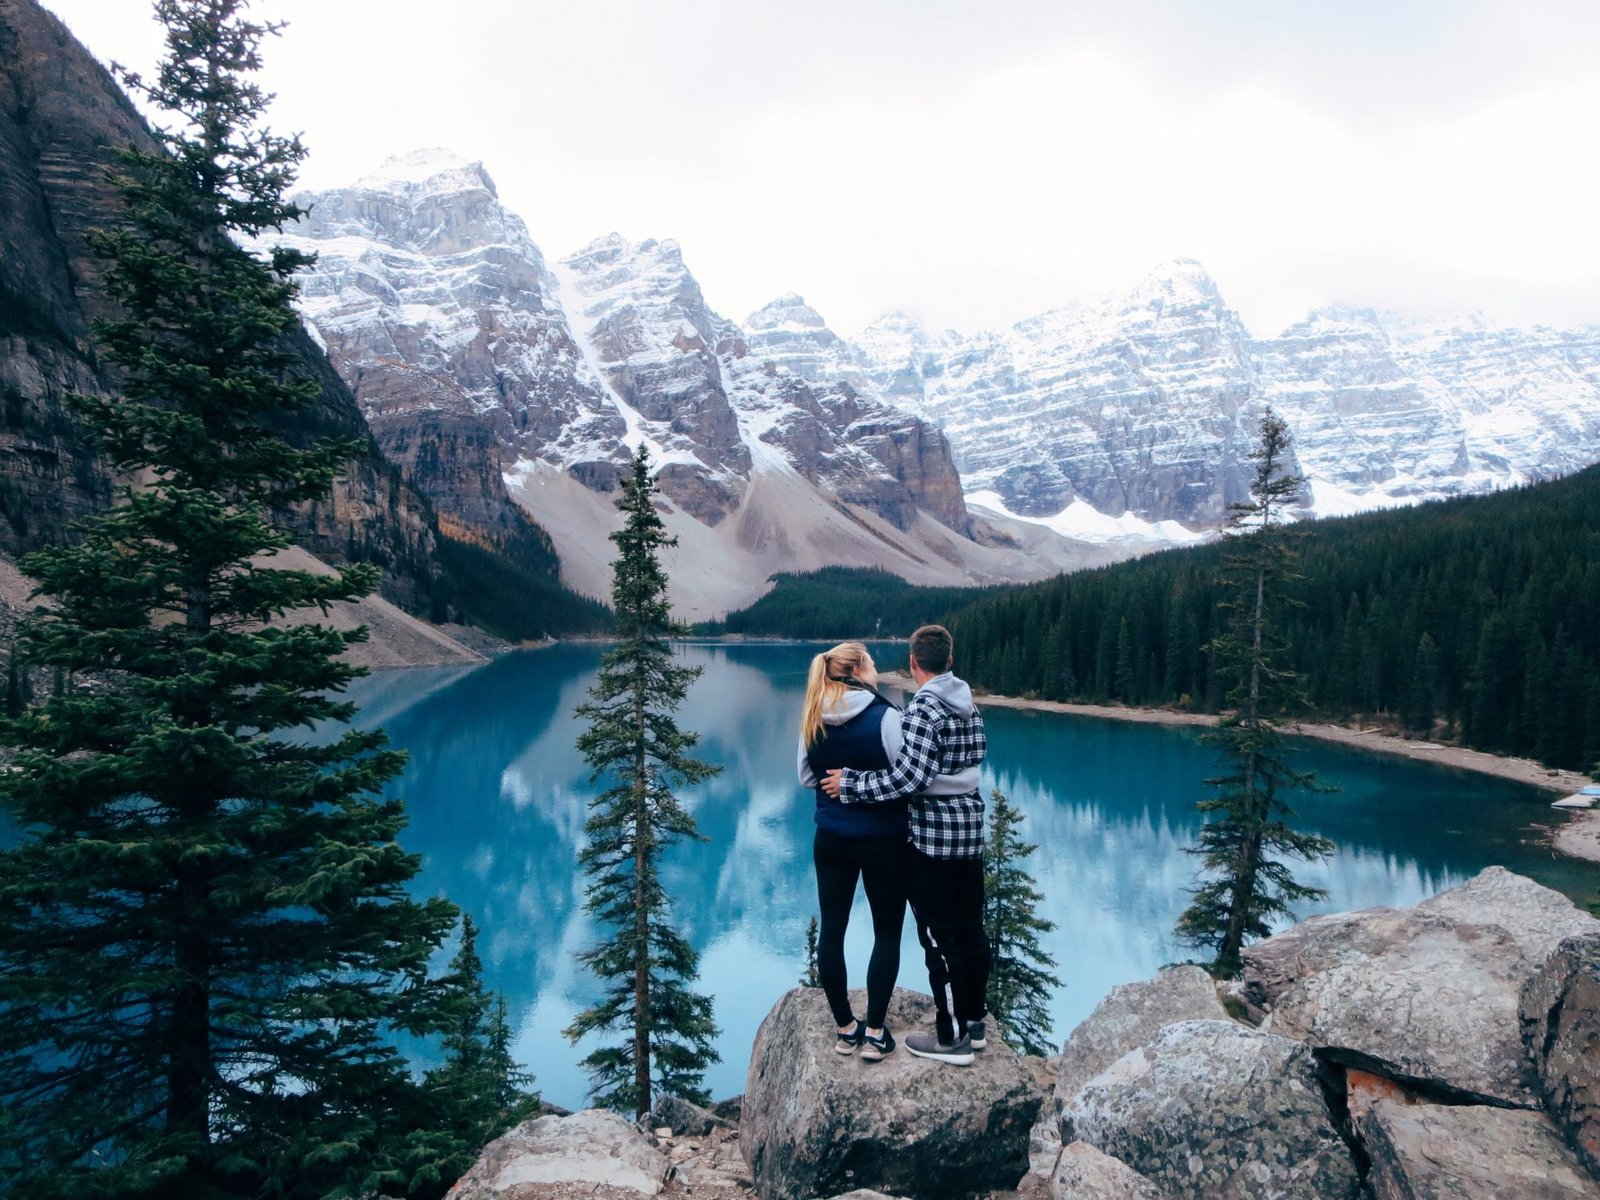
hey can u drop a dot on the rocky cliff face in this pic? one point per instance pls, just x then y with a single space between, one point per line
61 119
1147 403
59 112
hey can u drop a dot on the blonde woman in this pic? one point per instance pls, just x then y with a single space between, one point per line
846 722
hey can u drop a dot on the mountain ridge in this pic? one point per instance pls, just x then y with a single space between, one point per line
505 381
1384 408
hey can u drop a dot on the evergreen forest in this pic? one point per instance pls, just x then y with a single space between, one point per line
1475 619
843 602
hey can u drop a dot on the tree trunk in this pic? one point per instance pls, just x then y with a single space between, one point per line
641 918
1244 880
189 1034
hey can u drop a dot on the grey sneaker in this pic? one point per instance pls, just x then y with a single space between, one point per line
876 1049
849 1043
976 1035
928 1045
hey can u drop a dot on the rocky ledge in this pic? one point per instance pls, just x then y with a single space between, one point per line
1448 1051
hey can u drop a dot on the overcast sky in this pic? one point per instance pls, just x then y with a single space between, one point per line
980 162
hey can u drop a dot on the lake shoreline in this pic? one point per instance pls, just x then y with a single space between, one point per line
1577 836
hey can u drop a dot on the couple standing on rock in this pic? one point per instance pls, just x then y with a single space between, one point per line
898 807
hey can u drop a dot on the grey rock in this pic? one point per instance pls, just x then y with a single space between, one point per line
1560 1013
1085 1173
816 1123
685 1119
1467 1152
861 1194
594 1147
1217 1109
1427 995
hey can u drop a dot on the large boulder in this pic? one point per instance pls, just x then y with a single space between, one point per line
1561 1030
1455 1152
546 1157
817 1123
1216 1109
1428 995
1130 1015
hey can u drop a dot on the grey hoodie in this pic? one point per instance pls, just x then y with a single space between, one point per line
955 695
852 704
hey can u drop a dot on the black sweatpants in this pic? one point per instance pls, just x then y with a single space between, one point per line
946 897
880 864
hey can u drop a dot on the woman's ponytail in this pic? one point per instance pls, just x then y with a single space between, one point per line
831 674
811 711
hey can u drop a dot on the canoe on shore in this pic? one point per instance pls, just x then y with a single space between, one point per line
1583 798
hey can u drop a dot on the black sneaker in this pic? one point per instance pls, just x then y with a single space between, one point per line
928 1045
975 1035
876 1049
849 1043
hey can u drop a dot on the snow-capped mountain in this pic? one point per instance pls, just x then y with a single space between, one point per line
1390 408
493 376
1146 403
442 315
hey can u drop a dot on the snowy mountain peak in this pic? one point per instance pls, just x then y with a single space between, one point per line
640 290
789 311
1176 283
895 336
614 247
615 252
432 171
1333 317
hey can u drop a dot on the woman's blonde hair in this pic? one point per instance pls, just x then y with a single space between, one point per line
826 685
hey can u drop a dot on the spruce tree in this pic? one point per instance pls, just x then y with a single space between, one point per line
1247 838
479 1091
205 933
1021 979
634 745
811 978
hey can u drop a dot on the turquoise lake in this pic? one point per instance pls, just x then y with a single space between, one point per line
498 796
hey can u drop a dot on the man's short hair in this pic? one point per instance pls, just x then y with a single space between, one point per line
933 649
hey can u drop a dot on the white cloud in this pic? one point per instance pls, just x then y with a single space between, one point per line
979 171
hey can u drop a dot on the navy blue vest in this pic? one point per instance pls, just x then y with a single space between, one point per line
858 743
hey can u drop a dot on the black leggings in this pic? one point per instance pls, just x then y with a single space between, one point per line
880 864
946 897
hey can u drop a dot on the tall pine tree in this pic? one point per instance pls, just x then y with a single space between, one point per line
1245 842
634 744
205 934
1020 980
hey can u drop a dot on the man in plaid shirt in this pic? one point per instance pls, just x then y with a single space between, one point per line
936 772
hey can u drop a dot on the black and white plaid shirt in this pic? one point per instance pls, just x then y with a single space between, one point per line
935 740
